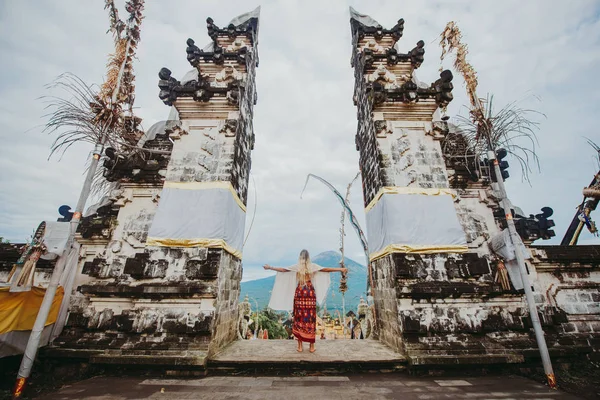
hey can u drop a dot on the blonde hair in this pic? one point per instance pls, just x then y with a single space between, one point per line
304 272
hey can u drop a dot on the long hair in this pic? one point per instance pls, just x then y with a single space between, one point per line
303 273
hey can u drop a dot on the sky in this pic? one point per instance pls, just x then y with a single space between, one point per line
543 56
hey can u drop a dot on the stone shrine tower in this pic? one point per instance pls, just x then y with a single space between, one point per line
161 270
431 215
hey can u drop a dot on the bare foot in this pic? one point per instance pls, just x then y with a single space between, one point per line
299 349
312 348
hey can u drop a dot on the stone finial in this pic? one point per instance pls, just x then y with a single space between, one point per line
193 53
213 30
166 84
443 88
417 55
398 29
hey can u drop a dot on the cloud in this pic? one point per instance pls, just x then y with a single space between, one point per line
305 120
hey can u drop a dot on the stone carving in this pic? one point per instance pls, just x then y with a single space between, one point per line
228 74
176 132
228 127
409 92
374 47
383 75
193 53
167 84
213 30
398 29
443 88
233 96
359 30
382 128
236 45
417 55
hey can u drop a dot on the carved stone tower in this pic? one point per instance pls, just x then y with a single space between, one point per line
408 205
428 217
446 288
161 269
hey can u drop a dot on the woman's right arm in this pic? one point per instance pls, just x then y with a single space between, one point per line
268 267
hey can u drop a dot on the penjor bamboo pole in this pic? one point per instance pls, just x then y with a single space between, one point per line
517 243
40 322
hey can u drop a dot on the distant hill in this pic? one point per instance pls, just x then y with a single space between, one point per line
259 289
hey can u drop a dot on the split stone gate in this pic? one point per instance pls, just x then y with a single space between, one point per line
159 276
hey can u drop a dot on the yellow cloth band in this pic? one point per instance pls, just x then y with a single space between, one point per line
420 249
207 185
18 310
408 190
210 243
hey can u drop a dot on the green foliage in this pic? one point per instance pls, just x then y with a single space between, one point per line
270 320
3 241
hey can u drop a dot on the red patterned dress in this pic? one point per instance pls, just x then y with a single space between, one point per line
305 313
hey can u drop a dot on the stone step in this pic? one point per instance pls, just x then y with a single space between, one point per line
160 361
429 360
160 358
281 357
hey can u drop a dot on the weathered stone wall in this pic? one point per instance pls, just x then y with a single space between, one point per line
386 308
224 327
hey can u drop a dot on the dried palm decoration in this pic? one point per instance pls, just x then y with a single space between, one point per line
510 128
485 129
101 115
117 93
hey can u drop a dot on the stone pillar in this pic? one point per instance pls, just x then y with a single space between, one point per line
162 255
211 160
400 152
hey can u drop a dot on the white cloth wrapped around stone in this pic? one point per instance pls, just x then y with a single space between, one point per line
282 296
501 244
55 239
199 215
416 222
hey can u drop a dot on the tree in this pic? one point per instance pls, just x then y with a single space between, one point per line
270 320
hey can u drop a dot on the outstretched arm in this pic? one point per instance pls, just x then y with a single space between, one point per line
268 267
333 270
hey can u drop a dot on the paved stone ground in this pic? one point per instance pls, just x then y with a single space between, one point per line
266 351
363 387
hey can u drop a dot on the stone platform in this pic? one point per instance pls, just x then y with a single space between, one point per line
262 356
350 387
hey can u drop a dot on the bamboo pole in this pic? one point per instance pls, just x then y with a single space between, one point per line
450 40
517 244
40 321
42 316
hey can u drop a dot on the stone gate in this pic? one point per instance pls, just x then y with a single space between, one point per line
160 278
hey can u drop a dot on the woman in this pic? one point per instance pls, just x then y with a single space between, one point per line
305 295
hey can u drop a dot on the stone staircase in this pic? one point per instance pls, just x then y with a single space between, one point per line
280 357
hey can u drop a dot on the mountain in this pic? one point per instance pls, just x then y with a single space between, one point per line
258 290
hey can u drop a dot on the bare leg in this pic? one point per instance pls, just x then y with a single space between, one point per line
299 346
312 348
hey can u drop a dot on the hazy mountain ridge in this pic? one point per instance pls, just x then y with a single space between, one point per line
259 290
